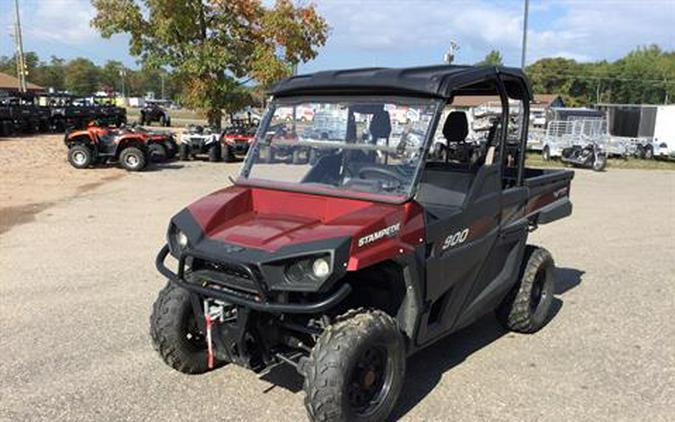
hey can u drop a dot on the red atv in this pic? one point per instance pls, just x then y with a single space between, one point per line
101 145
162 145
236 141
344 267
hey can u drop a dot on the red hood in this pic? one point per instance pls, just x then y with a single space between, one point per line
270 219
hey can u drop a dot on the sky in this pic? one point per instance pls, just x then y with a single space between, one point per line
396 32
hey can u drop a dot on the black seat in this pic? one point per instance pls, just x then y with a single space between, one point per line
380 125
455 130
446 184
456 127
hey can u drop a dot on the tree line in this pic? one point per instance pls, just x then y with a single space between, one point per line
644 75
81 76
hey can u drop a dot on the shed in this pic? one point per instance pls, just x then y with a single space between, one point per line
10 85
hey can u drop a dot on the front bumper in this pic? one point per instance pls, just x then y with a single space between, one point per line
238 147
259 302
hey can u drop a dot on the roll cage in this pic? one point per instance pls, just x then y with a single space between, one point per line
444 83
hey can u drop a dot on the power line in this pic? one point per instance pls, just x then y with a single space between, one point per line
562 75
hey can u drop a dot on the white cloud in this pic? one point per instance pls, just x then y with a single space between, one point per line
608 29
584 30
64 21
389 30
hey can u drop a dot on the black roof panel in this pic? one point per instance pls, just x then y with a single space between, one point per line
435 81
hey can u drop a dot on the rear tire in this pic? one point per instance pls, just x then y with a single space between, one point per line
157 153
174 332
526 309
132 159
80 156
214 152
546 153
269 156
355 371
649 152
313 157
184 152
297 159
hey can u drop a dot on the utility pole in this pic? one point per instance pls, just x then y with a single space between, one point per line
597 93
123 74
665 88
161 77
451 53
20 61
522 58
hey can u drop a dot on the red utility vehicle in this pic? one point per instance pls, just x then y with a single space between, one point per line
344 267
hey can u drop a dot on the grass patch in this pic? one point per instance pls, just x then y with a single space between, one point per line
180 117
533 159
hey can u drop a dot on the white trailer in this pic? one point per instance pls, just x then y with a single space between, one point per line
663 143
649 128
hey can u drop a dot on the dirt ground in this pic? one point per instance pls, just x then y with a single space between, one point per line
35 175
77 282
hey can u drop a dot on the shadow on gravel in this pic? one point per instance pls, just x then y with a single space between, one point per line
426 368
153 167
567 279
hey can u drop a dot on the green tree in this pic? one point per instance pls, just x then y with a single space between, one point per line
82 76
52 74
215 46
493 58
111 75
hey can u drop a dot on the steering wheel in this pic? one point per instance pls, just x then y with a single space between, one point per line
379 170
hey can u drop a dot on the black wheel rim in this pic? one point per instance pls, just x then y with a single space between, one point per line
538 293
370 381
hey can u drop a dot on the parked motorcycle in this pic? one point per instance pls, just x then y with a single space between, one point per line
589 156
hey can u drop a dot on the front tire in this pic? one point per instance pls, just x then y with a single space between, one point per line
228 156
132 159
526 309
171 149
174 332
80 156
356 369
600 162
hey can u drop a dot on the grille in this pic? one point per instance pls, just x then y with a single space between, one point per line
230 276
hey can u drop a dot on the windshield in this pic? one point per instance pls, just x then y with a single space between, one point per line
348 146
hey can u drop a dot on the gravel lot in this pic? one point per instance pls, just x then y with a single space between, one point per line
77 283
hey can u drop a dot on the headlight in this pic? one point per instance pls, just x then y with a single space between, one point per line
178 240
309 270
181 239
321 268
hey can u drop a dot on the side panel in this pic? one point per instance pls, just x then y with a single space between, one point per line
455 261
500 270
